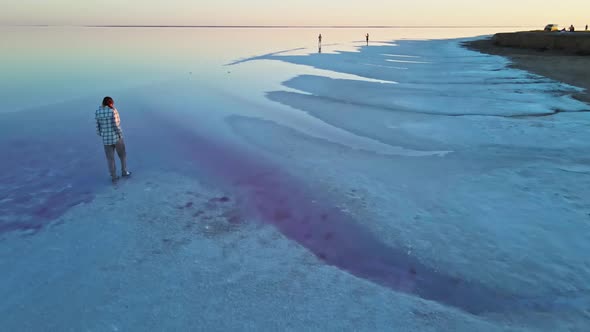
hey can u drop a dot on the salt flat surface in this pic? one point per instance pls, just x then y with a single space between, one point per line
149 264
439 192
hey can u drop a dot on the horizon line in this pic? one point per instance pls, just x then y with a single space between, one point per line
267 26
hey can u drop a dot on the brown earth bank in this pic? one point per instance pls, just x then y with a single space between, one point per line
559 64
568 42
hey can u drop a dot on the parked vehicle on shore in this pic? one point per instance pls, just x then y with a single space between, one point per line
551 27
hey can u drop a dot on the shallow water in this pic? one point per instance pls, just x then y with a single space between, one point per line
46 65
411 166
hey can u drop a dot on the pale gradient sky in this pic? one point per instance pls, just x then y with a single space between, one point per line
295 12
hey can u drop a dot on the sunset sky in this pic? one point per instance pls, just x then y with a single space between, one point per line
289 12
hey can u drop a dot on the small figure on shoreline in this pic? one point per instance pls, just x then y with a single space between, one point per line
320 43
108 126
572 29
586 27
367 37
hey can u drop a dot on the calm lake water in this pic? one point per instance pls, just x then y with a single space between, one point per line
45 65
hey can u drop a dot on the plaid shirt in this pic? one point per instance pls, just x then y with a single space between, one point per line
108 125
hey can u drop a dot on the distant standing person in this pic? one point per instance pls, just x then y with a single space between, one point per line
572 29
586 27
367 37
108 126
320 40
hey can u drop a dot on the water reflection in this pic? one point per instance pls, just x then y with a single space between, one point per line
46 65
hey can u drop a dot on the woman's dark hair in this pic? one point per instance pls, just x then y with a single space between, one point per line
107 101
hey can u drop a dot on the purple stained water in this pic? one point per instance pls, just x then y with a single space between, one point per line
45 173
307 216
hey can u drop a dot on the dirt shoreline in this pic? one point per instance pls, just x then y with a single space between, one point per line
557 65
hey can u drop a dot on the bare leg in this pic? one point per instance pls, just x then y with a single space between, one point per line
120 147
110 153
